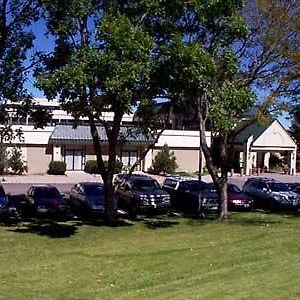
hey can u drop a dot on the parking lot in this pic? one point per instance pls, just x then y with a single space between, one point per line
20 184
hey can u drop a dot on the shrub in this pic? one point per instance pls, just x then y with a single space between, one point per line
275 161
57 168
16 162
3 159
91 166
118 167
164 161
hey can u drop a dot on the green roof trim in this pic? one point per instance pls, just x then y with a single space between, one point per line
82 134
256 129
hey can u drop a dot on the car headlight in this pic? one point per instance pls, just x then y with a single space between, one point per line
237 201
280 198
143 199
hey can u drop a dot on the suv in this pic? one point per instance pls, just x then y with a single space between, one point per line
4 207
140 193
271 193
185 193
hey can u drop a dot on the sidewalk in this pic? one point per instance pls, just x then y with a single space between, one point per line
80 176
70 177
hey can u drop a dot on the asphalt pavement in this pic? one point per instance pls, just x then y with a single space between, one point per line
15 184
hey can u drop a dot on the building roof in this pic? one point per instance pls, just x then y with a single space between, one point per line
256 129
82 134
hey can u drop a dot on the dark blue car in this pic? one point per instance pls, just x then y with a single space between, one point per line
3 204
88 198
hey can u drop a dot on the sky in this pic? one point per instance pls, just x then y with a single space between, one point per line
44 43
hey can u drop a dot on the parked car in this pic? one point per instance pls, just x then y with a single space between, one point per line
4 208
271 193
88 198
140 193
237 200
185 193
295 187
7 210
45 200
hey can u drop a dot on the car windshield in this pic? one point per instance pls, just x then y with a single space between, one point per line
193 186
279 187
3 200
47 192
2 193
210 187
93 189
233 189
148 184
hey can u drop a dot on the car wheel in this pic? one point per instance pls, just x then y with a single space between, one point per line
273 205
133 210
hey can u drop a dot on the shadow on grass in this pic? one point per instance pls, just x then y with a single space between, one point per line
57 229
156 222
50 228
100 222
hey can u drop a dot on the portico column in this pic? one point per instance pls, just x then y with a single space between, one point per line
57 153
248 156
147 161
267 160
292 161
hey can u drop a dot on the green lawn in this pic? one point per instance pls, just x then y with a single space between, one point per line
253 256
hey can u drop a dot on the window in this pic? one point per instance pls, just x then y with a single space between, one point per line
171 183
129 158
144 185
261 185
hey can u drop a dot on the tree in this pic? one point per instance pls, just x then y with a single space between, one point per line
295 128
16 40
164 161
270 56
16 162
101 61
142 49
199 68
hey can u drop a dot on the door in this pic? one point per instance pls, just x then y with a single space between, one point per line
129 158
78 154
74 159
69 159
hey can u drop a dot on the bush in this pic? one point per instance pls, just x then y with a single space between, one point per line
275 161
91 166
3 159
57 168
118 167
16 162
164 161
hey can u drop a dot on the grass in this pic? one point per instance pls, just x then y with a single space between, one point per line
253 256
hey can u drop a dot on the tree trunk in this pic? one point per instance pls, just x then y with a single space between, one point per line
205 149
110 203
222 186
199 211
110 200
222 191
97 149
220 182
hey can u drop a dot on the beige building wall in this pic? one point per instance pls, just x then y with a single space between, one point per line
187 159
38 158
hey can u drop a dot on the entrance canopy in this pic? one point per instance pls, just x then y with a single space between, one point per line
256 140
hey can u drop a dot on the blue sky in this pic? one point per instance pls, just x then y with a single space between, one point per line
45 43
